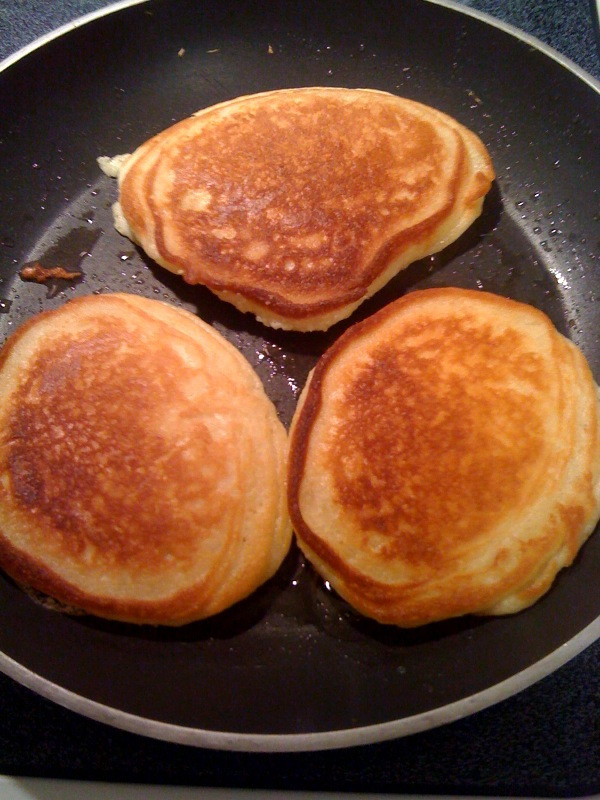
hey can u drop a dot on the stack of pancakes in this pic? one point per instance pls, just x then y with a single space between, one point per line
444 455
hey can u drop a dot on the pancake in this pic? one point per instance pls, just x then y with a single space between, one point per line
298 204
142 466
445 458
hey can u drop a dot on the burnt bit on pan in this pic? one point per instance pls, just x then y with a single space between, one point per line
35 272
61 261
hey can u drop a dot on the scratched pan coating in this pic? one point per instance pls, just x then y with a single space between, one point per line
274 662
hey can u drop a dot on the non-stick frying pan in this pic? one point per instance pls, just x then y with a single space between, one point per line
293 667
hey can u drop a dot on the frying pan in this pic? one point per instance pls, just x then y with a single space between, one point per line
262 675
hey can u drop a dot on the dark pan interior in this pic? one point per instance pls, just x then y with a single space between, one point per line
273 663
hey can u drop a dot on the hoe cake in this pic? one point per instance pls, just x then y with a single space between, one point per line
298 204
142 466
445 458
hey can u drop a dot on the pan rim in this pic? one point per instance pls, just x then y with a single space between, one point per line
454 5
304 742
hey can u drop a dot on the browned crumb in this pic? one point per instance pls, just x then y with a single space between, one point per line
35 272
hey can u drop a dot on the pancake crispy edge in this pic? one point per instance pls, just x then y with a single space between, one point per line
142 466
431 570
311 206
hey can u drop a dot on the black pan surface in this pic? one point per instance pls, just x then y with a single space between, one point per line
293 667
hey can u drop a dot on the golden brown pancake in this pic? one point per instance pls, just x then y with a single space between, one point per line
142 466
445 458
298 204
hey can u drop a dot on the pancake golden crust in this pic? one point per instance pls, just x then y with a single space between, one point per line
445 458
299 204
142 467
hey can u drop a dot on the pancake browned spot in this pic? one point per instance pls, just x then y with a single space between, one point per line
299 204
445 458
141 464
